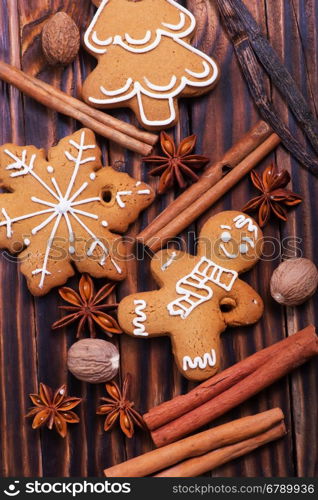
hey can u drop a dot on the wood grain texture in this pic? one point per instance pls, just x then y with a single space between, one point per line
30 352
303 382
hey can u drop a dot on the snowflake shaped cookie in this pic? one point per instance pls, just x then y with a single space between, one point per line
60 211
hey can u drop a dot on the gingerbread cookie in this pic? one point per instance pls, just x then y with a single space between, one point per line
145 60
200 295
61 211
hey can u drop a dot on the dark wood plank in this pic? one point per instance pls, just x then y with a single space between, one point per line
230 113
45 128
18 332
295 46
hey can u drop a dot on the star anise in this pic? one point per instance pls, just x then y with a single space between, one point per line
178 165
274 198
117 405
53 408
87 308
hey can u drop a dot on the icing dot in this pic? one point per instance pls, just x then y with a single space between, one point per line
92 176
243 248
226 237
255 301
63 206
27 242
50 169
104 223
71 250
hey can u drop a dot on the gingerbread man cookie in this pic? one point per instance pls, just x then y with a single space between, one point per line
200 295
60 211
145 60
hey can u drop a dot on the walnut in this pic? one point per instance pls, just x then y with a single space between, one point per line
60 40
93 360
294 282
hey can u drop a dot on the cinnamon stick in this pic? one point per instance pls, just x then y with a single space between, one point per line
292 353
197 445
200 465
209 389
199 206
107 126
248 143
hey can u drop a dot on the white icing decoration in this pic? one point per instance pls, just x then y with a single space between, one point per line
140 50
145 87
242 220
50 169
112 93
8 223
139 41
119 194
226 227
104 223
226 237
102 43
38 271
73 159
139 89
203 73
200 361
250 241
243 248
43 224
91 32
171 259
195 288
119 270
27 242
161 88
20 164
138 183
178 26
144 191
43 271
71 250
63 207
227 253
141 317
92 176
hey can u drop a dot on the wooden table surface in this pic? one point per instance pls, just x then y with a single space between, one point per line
30 352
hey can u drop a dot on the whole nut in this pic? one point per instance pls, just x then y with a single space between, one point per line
294 282
60 40
93 360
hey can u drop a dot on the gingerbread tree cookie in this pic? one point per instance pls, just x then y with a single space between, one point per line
61 211
145 59
200 295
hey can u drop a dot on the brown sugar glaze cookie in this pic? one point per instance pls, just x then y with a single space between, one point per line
200 295
63 211
145 60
